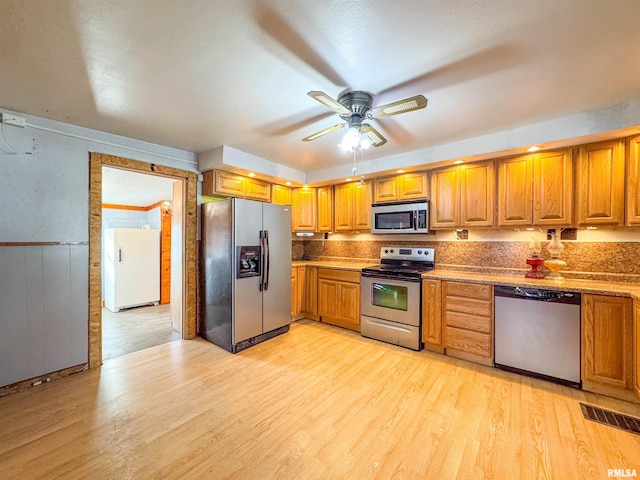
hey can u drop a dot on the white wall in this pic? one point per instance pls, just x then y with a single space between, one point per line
44 197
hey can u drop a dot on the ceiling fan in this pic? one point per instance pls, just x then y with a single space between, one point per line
356 106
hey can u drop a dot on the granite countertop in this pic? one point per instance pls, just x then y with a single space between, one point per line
585 286
345 265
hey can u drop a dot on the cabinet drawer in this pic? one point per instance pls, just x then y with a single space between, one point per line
473 290
468 305
469 342
468 322
342 275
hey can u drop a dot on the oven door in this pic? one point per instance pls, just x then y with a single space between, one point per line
390 299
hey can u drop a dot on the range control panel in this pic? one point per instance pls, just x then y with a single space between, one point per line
402 253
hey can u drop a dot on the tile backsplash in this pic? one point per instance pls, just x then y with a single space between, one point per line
604 260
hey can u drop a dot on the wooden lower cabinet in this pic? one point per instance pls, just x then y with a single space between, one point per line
304 292
309 293
607 346
294 293
339 297
636 347
468 321
432 315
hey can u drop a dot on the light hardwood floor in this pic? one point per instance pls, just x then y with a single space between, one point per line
319 402
133 330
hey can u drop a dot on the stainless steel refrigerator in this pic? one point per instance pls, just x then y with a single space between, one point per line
246 250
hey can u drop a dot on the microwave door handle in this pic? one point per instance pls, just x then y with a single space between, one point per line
415 220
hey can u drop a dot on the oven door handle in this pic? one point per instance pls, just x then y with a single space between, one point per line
386 276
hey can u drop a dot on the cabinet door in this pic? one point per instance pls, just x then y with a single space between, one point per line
412 186
362 199
514 191
310 300
432 312
256 189
553 188
636 329
208 182
385 189
445 198
600 184
477 194
302 286
327 298
325 209
607 345
280 195
304 213
633 182
343 207
294 291
229 184
349 302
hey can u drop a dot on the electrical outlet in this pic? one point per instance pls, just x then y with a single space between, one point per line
462 234
9 119
569 234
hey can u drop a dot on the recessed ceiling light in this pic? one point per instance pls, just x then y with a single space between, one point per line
251 174
400 171
458 162
288 184
534 148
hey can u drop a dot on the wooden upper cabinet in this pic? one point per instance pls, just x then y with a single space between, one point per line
412 186
633 182
353 206
385 190
445 198
515 177
304 210
553 188
600 184
280 194
607 345
229 184
477 194
255 189
362 199
536 189
325 209
408 186
218 182
463 196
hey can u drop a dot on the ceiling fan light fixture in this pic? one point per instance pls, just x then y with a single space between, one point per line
350 140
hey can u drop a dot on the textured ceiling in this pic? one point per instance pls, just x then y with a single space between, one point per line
199 74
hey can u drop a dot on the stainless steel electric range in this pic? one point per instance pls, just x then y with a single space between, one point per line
390 306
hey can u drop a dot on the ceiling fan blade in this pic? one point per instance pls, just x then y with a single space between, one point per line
329 102
375 136
401 106
323 132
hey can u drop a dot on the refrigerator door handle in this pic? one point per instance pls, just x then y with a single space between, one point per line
266 267
262 259
120 254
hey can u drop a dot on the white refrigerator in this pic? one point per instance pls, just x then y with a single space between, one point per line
131 258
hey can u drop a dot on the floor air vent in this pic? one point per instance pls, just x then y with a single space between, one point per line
613 419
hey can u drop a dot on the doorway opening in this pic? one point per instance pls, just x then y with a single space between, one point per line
182 303
136 261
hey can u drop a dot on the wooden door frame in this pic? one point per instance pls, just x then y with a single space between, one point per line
96 162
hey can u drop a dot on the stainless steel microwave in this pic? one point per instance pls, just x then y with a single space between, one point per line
400 217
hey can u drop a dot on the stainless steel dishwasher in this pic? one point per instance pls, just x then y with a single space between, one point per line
537 333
